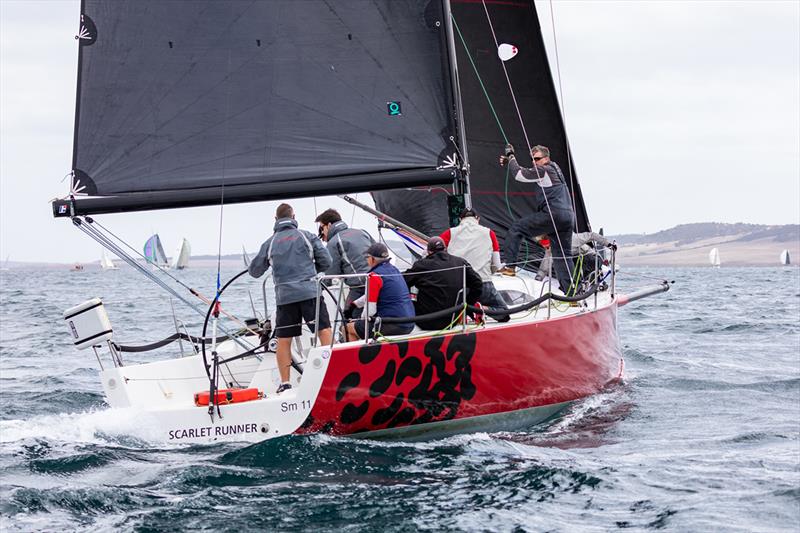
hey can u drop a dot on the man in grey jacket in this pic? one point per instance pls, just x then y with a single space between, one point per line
347 247
553 217
296 257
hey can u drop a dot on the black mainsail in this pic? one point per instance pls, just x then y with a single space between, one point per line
182 103
491 119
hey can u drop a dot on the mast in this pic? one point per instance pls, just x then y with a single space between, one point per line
461 184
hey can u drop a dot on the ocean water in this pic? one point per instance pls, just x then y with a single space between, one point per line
703 434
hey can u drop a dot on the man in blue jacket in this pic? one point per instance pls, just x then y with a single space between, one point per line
296 257
388 296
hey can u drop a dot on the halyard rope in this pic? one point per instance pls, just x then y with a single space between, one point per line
527 141
563 110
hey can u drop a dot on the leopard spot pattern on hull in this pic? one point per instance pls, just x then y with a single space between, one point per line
429 384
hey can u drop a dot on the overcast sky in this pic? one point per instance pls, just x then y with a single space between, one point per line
677 112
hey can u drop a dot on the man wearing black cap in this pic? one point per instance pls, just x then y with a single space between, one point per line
440 277
388 296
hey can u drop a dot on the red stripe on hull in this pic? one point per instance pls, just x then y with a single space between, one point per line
456 376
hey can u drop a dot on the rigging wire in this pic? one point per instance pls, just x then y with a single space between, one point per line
219 242
353 214
222 189
563 111
480 80
497 120
527 141
90 228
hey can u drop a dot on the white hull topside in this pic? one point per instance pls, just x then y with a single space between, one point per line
161 393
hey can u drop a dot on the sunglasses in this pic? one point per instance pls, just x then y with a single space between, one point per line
539 158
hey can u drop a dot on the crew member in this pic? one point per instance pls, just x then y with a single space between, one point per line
478 245
388 297
586 245
347 247
296 256
440 279
553 217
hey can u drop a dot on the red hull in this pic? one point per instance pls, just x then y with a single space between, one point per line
457 376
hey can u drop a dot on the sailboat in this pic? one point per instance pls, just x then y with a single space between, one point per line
228 102
154 251
785 259
181 258
713 257
106 263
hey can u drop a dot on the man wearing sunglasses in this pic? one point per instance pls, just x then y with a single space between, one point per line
347 247
553 217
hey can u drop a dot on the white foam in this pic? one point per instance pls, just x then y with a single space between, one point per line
87 427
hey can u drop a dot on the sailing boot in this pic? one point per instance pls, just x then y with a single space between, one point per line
508 271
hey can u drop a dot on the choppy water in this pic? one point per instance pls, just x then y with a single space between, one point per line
704 433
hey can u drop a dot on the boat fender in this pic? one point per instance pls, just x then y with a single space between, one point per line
228 396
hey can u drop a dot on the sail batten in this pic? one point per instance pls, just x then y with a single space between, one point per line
198 95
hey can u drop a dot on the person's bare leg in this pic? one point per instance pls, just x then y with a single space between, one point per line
351 332
284 357
325 337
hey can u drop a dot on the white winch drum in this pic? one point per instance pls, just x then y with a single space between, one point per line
88 323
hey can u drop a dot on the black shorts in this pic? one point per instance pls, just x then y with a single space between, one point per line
385 329
289 318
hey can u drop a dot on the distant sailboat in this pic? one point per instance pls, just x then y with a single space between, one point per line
181 258
713 257
106 263
154 252
785 260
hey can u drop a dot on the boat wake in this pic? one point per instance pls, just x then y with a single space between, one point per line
103 426
588 423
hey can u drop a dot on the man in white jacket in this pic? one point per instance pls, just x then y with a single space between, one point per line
479 246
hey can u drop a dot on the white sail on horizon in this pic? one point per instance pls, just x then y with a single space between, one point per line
106 263
713 257
785 259
181 258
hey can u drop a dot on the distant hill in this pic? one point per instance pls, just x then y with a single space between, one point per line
689 233
689 245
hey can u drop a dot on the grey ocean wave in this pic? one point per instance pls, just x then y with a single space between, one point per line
702 434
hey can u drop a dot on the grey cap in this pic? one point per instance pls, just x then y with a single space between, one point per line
379 251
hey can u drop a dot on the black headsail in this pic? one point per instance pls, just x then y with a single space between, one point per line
178 101
497 197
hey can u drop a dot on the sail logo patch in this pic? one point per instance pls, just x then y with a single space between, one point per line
393 108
